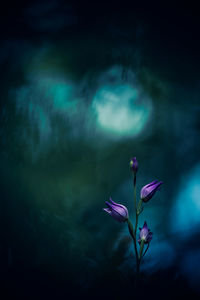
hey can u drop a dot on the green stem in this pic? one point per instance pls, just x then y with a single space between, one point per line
141 250
136 224
139 207
130 228
146 250
135 203
131 231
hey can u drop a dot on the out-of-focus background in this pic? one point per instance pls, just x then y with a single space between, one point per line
85 87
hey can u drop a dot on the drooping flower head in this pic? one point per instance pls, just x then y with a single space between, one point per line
149 190
134 165
118 211
145 234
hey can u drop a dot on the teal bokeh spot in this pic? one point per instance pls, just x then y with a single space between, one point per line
121 110
43 98
47 92
185 215
59 93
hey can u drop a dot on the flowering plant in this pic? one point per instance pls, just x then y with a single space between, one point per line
120 213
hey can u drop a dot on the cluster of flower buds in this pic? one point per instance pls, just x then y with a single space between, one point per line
120 213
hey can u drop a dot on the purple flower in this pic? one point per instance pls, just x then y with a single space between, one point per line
134 164
145 234
149 190
118 211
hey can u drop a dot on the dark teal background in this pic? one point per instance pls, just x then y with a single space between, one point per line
59 164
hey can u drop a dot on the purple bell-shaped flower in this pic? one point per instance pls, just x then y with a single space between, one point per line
149 190
145 234
118 211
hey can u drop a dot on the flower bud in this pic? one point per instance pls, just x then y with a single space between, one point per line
149 190
134 165
145 234
118 211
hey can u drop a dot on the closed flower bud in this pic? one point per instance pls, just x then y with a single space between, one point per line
145 234
118 211
149 190
134 165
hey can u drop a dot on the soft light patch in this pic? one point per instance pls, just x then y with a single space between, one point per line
185 215
43 98
121 110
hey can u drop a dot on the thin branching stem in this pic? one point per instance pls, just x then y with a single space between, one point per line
146 250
